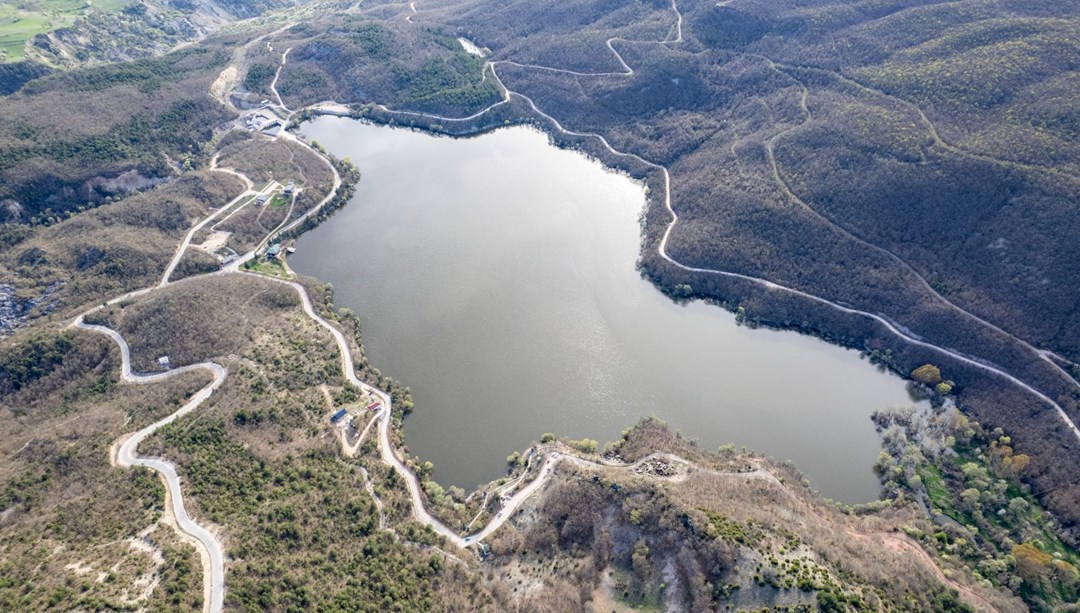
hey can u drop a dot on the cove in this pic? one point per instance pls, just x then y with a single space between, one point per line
496 277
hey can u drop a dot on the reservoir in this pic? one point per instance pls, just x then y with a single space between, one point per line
496 277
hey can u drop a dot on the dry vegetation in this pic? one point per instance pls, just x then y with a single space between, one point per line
259 457
260 460
76 533
73 139
908 140
193 263
265 160
203 318
714 539
112 249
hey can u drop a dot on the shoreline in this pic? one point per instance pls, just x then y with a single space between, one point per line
469 469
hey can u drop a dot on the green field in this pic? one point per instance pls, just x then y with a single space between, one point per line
19 21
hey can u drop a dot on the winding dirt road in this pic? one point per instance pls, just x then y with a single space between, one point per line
894 329
210 548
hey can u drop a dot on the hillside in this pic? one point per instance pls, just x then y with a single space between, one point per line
75 139
898 177
686 529
802 152
71 33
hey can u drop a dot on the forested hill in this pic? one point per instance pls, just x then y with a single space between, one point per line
944 133
894 176
913 160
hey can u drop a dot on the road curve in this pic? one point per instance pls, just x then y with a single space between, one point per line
281 229
903 335
384 417
662 248
179 254
127 456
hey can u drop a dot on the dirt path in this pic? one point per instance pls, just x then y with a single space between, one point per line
124 454
899 544
179 253
277 74
222 87
892 328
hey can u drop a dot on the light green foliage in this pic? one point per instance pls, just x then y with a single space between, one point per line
733 531
21 21
928 374
585 445
1000 529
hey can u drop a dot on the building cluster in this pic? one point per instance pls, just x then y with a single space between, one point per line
342 416
261 120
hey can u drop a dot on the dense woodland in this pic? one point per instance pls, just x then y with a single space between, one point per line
817 147
358 60
73 140
851 150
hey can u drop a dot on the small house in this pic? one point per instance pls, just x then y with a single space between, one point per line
273 251
163 361
289 189
262 199
339 415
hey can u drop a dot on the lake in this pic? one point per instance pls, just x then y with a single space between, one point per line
496 277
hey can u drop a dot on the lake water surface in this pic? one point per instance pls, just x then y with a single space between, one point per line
496 277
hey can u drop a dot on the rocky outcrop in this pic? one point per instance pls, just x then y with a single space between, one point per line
16 310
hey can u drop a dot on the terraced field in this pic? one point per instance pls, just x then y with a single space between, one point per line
22 21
